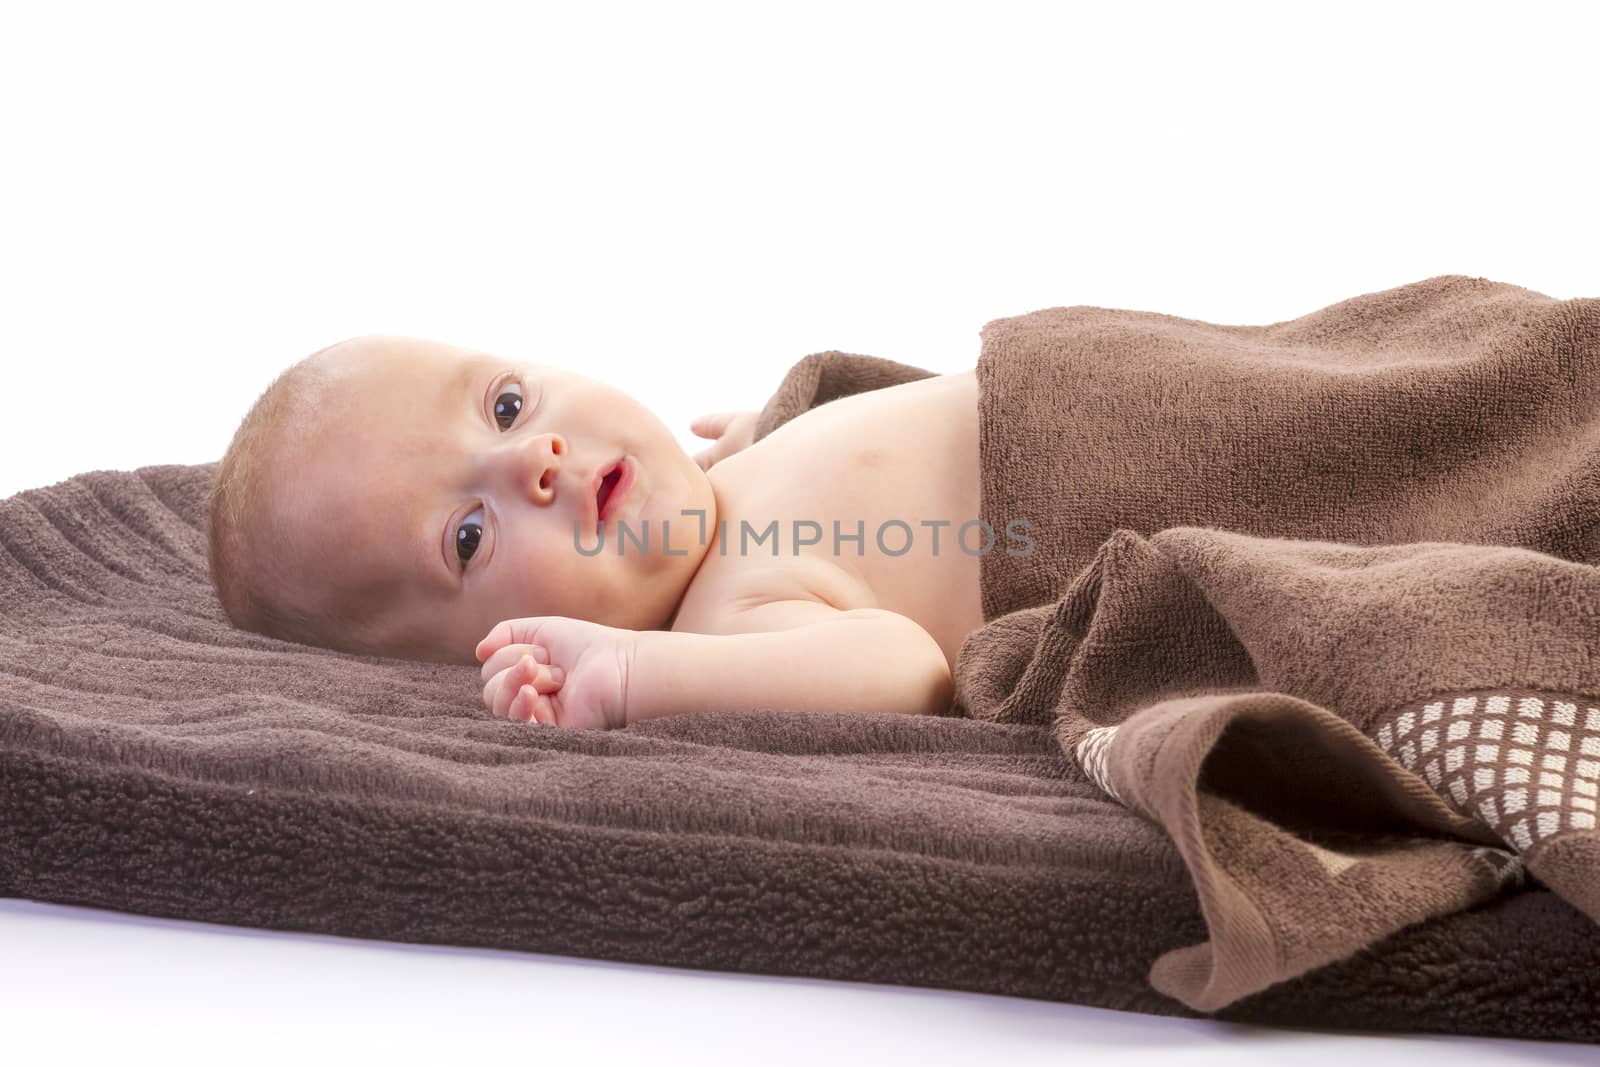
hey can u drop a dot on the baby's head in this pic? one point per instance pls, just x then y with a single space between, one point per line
396 496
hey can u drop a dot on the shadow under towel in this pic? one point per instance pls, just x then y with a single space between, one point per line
1318 598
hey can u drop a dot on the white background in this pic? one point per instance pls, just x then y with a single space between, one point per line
683 199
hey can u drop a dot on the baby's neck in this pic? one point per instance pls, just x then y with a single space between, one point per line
702 540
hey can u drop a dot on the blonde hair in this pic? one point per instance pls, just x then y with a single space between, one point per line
250 549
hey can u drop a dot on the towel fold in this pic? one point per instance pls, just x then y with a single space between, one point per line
1316 597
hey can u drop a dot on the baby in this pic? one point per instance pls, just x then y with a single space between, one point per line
403 497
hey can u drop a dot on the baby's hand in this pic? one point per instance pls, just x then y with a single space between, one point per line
733 431
558 671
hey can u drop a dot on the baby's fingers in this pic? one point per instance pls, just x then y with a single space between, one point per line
713 425
532 706
510 632
508 655
525 675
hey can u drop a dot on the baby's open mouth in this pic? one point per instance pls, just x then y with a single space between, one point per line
607 483
613 489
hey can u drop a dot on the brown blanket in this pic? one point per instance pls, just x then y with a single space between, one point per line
155 760
1317 597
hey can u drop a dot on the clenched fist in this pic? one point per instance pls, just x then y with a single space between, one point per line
558 671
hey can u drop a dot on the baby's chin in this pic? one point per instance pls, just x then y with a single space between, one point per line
690 489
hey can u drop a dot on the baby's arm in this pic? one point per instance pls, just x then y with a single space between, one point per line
794 654
801 655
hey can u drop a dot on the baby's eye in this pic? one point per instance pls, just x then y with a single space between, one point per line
468 534
507 405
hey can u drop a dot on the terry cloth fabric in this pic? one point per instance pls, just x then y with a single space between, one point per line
1317 598
156 760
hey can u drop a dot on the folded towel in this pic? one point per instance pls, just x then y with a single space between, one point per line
1315 597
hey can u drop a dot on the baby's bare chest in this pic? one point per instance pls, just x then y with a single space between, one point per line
867 501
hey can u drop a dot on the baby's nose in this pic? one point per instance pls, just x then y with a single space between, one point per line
541 466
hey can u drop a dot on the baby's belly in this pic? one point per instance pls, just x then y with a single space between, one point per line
885 487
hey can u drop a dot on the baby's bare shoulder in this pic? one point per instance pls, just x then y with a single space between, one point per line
726 588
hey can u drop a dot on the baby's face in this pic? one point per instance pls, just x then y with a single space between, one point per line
451 489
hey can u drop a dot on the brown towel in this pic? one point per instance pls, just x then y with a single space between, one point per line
1317 597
